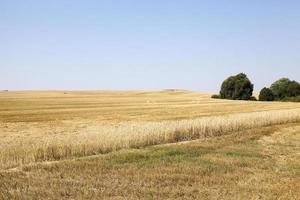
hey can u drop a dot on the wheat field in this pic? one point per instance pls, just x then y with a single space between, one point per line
168 144
49 126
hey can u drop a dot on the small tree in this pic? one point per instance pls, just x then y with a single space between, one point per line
237 87
215 96
266 94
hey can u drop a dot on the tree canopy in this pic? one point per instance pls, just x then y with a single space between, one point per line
284 88
266 94
237 87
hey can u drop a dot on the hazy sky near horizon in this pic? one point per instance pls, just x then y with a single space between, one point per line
146 44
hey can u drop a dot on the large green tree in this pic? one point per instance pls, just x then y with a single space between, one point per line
237 87
284 88
293 89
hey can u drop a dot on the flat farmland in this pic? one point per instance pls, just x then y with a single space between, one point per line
114 107
169 143
42 126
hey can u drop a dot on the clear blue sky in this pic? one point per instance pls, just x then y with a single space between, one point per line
146 44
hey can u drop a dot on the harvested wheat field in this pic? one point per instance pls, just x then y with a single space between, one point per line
169 144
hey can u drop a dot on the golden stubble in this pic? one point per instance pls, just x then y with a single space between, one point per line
47 126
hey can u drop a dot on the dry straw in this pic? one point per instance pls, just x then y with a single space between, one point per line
140 134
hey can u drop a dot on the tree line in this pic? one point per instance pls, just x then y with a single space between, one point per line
239 87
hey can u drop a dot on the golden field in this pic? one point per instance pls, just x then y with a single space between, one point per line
103 144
